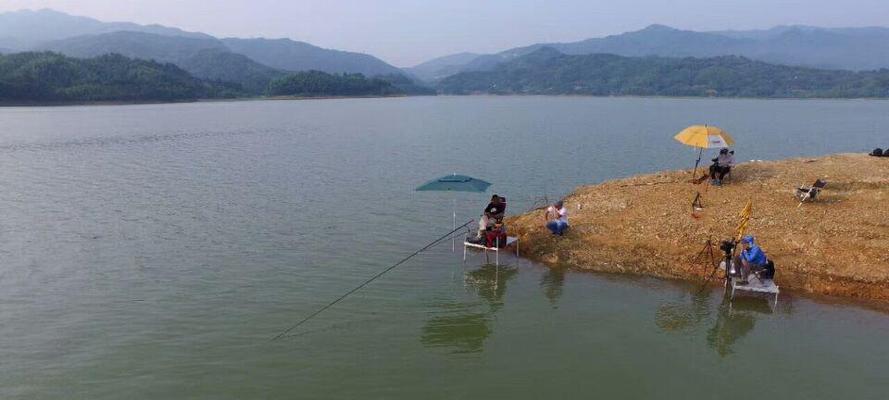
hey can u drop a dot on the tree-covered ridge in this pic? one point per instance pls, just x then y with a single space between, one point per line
224 66
546 71
406 85
295 56
209 58
317 83
246 64
857 49
52 77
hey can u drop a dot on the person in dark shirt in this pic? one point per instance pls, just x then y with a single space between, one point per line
496 208
492 215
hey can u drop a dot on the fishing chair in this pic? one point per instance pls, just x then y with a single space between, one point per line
728 175
809 193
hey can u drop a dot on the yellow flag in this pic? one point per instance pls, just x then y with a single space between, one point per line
744 219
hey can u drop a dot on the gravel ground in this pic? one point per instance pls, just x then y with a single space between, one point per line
837 245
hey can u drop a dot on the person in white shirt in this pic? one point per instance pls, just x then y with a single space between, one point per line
483 225
557 218
722 165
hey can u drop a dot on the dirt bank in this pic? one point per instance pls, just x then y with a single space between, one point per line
838 245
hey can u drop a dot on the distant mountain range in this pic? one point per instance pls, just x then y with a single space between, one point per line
548 71
657 60
26 29
442 67
289 55
250 63
828 48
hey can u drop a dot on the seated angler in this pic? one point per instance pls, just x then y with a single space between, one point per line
753 260
492 215
496 208
557 218
722 165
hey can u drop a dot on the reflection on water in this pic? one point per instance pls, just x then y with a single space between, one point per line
463 327
730 326
551 282
460 327
731 321
680 316
489 282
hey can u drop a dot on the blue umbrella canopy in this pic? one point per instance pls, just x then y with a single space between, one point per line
455 183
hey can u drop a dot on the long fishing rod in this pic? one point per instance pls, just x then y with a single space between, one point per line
357 288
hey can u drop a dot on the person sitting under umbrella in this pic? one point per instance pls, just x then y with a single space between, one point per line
557 218
492 215
722 165
496 208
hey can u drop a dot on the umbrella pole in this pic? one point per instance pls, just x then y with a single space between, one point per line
454 239
694 173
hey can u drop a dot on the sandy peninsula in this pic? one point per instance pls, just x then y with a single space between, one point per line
644 225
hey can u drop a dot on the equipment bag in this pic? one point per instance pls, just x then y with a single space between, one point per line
769 272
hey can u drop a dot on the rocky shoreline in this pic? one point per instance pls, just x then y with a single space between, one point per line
645 225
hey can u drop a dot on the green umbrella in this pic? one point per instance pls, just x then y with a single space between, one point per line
455 183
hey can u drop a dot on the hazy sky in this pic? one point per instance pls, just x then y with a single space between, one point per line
406 32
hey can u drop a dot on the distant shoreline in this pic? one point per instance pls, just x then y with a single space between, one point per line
317 97
627 96
6 104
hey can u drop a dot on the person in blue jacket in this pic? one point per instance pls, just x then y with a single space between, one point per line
752 258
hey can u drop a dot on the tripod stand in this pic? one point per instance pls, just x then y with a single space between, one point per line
708 251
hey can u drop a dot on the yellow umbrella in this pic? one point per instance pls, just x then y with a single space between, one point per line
704 137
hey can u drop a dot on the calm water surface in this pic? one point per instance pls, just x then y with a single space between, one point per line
152 251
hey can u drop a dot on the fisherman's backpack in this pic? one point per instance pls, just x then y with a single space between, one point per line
769 271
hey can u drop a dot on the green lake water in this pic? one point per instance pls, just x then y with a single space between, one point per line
152 252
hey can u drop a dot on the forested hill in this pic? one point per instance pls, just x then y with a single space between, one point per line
317 84
50 77
248 64
547 71
856 49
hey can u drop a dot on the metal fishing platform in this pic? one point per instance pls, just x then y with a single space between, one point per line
510 240
754 285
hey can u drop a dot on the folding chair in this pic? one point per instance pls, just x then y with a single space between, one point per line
809 193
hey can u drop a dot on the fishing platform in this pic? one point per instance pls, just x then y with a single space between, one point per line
754 285
510 240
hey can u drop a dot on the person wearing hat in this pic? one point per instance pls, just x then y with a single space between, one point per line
752 258
722 165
